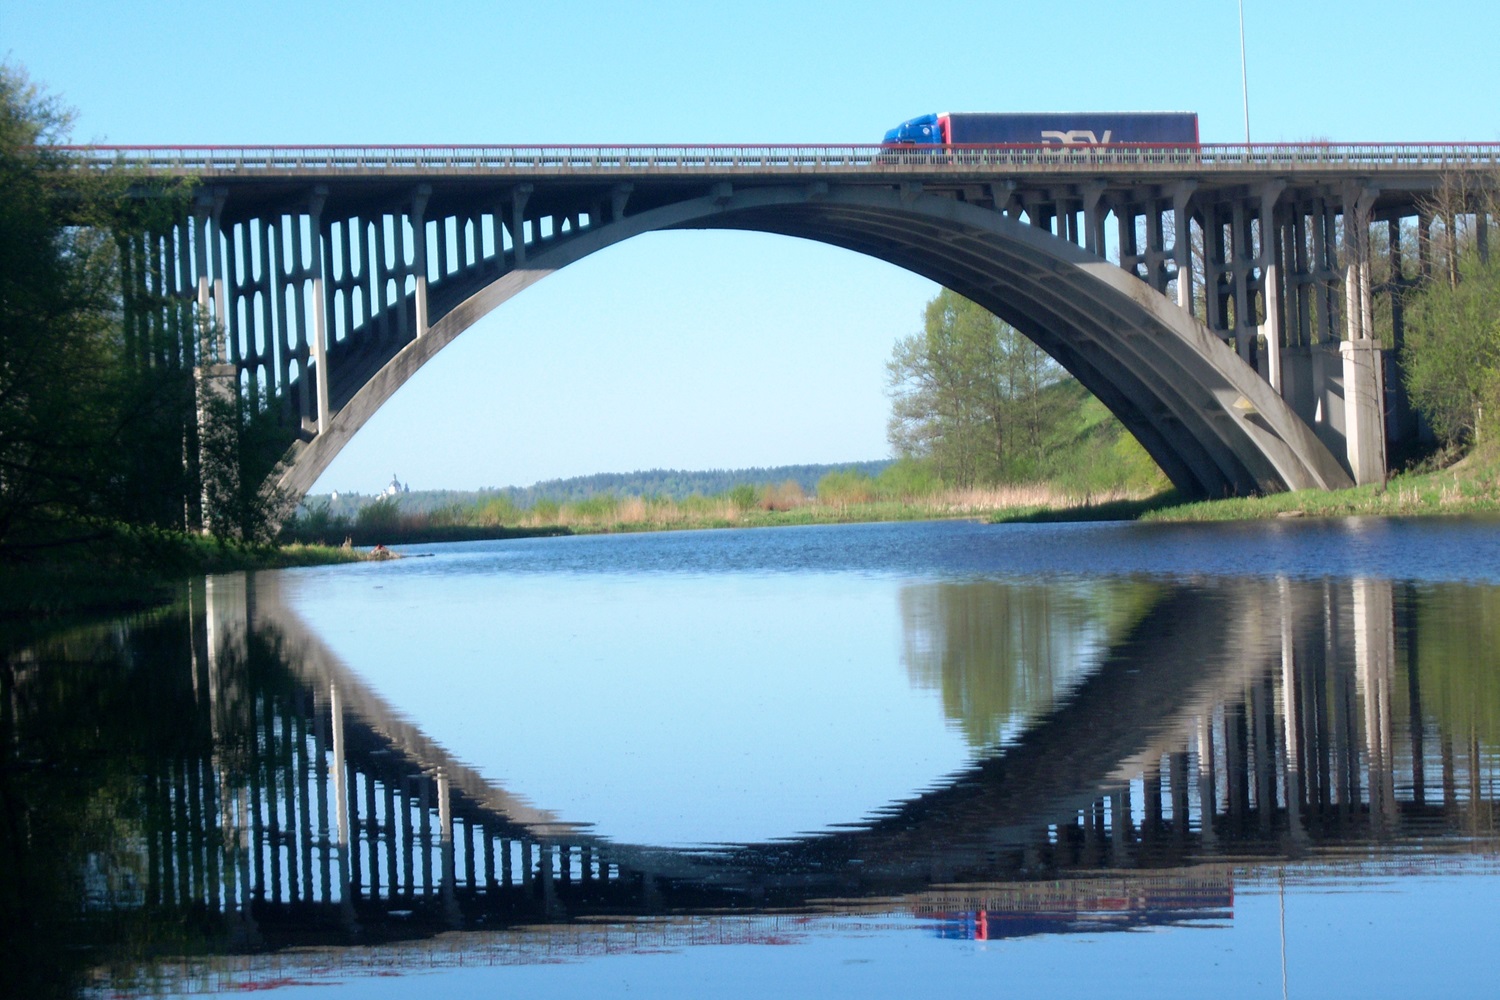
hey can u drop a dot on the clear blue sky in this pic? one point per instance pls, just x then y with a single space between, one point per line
706 350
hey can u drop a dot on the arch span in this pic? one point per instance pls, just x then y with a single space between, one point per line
1212 424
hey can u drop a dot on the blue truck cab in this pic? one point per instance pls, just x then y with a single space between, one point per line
917 131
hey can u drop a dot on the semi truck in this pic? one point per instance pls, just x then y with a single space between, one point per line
1084 128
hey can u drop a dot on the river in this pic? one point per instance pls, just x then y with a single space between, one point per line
894 759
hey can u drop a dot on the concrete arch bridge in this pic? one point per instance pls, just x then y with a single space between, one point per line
335 273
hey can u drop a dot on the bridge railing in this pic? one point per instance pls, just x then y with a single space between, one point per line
342 159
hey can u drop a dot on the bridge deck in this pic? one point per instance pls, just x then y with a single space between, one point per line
1388 161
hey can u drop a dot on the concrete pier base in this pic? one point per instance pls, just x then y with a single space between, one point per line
1364 410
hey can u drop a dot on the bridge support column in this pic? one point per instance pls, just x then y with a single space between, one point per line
518 199
419 252
1363 360
209 265
1364 412
1093 219
1182 244
1270 281
619 196
320 308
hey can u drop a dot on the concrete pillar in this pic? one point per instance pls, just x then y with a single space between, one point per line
1003 193
1270 281
1239 273
518 200
377 274
1298 262
1157 251
1424 244
1125 235
619 196
268 349
419 252
1093 219
321 308
203 233
1364 409
1363 361
1182 248
1215 267
1319 266
1358 315
217 269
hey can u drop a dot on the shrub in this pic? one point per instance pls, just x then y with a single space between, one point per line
1452 353
907 479
381 515
498 511
743 496
601 507
783 497
845 486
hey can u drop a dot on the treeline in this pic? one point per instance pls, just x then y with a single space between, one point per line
670 484
676 484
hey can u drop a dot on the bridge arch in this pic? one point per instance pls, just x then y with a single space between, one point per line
1212 424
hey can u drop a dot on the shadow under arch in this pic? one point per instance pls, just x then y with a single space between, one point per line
1211 423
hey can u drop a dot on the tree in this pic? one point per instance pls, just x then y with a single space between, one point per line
58 321
1451 358
967 394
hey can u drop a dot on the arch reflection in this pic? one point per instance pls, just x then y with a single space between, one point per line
234 782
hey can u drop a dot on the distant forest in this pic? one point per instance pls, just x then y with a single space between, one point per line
673 484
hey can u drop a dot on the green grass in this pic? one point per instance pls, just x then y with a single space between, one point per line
1471 486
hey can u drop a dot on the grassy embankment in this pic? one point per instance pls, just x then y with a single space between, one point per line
82 569
1470 485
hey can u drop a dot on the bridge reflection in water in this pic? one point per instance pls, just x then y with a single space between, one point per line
1232 724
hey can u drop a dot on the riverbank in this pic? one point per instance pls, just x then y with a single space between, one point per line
92 569
118 569
1469 486
751 507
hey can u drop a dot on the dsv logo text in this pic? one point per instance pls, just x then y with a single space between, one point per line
1077 137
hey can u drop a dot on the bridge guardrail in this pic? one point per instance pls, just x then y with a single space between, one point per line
253 160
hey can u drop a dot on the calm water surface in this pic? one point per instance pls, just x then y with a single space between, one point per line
1255 760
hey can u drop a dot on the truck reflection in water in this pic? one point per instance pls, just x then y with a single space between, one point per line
1085 905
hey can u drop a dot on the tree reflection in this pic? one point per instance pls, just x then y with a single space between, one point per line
1000 652
1455 642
